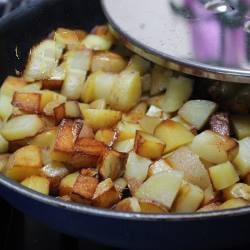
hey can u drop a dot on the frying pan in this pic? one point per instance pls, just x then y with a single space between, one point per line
21 30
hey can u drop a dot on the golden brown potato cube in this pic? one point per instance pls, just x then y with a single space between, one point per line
183 159
37 183
86 131
25 162
106 195
126 130
238 190
128 205
234 203
12 84
188 199
173 134
107 136
48 110
21 127
108 62
103 31
148 146
3 161
100 119
85 186
223 175
27 102
54 172
111 165
152 207
59 113
52 84
67 183
68 132
137 113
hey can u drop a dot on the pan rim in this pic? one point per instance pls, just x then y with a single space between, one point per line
107 213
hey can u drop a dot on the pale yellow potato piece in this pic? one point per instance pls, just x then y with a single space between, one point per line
178 92
12 84
159 166
126 130
130 204
120 184
183 159
148 123
189 198
152 207
96 42
101 118
51 96
4 145
223 175
6 107
21 127
126 92
177 118
155 111
98 104
45 139
238 190
139 64
173 134
37 183
67 183
162 188
136 170
213 147
32 87
242 160
124 146
148 146
136 113
233 203
241 125
197 112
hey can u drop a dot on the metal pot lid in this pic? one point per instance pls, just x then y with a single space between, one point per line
206 38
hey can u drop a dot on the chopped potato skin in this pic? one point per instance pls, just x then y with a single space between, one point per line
91 123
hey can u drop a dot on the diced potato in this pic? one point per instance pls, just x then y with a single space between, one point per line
155 100
96 42
4 145
6 107
98 104
98 86
53 83
210 207
184 160
241 125
242 160
177 118
160 79
209 195
148 123
120 184
159 166
124 146
126 130
148 146
213 147
25 162
106 195
233 203
43 59
86 131
152 207
238 190
108 62
70 39
107 136
3 161
223 175
154 111
126 92
37 183
27 102
100 119
67 183
189 198
128 205
32 87
12 84
139 64
173 134
197 112
178 92
21 127
111 165
136 170
137 113
50 96
161 188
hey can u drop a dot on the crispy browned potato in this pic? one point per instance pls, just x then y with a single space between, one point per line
27 102
152 207
52 84
128 205
67 183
